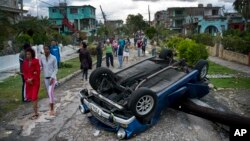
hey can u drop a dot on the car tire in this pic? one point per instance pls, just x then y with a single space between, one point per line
202 67
166 54
136 103
97 75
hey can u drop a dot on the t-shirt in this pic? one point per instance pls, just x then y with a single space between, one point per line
54 50
120 50
109 48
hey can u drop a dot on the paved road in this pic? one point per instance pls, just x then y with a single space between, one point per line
231 65
70 124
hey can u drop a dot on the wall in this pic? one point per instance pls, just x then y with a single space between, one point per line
219 51
10 62
217 23
234 56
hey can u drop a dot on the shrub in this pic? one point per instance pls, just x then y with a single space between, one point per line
191 51
24 38
92 49
65 65
173 42
203 38
237 44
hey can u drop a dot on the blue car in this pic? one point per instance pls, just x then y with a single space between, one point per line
130 101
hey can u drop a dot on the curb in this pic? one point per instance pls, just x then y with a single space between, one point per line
69 77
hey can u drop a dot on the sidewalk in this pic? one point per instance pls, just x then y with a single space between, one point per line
231 65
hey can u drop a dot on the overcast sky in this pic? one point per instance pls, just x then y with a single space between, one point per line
119 9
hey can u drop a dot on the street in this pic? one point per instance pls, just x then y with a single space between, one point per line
69 124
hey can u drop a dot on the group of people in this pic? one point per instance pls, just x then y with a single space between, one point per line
31 67
113 48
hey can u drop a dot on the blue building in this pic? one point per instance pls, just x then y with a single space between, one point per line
199 19
70 19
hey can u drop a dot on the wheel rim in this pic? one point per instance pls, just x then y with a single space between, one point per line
144 105
203 72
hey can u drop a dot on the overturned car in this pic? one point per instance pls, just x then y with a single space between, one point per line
130 101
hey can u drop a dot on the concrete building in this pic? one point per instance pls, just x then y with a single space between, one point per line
235 21
162 18
13 9
199 19
69 19
114 23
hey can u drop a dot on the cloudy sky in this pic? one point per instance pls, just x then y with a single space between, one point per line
119 9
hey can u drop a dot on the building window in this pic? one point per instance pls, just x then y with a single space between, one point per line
83 10
215 12
178 12
178 22
54 10
73 11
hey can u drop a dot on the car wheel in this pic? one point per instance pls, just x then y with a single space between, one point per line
202 67
166 54
142 103
97 77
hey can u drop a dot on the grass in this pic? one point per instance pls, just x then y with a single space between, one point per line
218 69
10 89
237 82
240 83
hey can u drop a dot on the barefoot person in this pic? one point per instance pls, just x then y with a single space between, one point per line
49 68
31 73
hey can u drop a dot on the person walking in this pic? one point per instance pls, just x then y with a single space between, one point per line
54 50
115 47
99 54
21 60
49 68
31 73
120 52
126 52
139 46
144 45
109 55
86 61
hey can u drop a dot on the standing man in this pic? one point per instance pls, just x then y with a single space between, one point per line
139 46
49 68
54 50
120 52
21 59
99 54
144 45
109 54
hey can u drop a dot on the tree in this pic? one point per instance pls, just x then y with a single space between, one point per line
243 7
135 23
150 32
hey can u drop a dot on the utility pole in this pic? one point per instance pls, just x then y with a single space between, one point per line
149 17
103 15
36 9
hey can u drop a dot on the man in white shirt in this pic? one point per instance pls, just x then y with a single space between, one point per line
49 68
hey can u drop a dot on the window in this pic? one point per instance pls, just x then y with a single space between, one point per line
178 22
215 12
73 11
178 12
83 10
54 10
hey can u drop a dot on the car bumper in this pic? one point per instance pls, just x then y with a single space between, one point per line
87 106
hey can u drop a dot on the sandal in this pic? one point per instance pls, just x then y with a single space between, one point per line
34 117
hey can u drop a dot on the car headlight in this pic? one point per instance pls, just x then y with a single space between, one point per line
121 134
